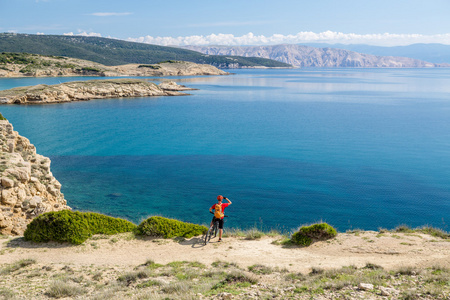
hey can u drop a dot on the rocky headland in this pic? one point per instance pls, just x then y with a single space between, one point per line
88 90
33 65
28 187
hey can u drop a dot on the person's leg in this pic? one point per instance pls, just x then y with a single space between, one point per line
220 229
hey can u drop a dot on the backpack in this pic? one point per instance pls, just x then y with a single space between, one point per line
218 211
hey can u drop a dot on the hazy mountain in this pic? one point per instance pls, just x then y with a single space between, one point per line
306 56
435 53
113 52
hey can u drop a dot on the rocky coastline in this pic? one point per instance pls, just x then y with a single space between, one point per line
32 65
89 90
28 187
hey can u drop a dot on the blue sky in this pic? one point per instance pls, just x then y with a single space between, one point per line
378 22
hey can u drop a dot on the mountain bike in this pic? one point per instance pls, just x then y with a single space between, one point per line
212 230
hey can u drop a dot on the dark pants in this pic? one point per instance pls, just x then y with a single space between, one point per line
220 222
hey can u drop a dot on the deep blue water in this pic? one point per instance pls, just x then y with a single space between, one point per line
357 148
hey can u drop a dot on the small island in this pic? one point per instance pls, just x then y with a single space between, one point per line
89 90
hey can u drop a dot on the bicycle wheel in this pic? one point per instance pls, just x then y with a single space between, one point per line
208 234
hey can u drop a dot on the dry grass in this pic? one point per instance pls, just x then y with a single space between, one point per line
189 280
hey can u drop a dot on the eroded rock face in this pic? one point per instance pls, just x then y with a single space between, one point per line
27 185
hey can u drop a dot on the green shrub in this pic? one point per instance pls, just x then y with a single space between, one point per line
2 117
73 227
316 232
62 289
168 228
171 61
150 66
235 277
90 69
260 269
436 232
16 266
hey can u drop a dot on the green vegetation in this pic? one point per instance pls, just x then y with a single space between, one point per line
436 232
168 228
235 277
73 227
17 58
77 227
250 234
306 235
16 266
2 117
260 269
62 289
89 69
33 62
66 66
193 280
150 66
171 62
112 52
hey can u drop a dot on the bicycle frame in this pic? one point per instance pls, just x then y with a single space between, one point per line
212 230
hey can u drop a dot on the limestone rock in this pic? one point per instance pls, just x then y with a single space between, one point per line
385 291
81 91
27 186
365 286
7 183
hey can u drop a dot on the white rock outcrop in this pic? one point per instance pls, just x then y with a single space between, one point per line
88 90
27 185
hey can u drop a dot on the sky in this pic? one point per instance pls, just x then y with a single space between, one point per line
233 22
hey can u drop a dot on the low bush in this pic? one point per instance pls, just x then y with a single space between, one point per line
90 69
236 277
168 228
73 227
62 289
16 266
150 66
306 235
260 269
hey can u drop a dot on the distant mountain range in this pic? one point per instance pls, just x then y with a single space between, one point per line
112 52
435 53
307 56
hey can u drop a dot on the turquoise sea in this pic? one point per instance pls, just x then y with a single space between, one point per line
357 148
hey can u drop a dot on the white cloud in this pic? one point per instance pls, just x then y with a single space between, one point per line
110 14
385 39
83 33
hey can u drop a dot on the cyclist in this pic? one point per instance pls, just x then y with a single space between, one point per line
223 205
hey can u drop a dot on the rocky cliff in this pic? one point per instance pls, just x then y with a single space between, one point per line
304 56
33 65
28 187
88 90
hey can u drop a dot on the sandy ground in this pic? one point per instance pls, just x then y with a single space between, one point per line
389 250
